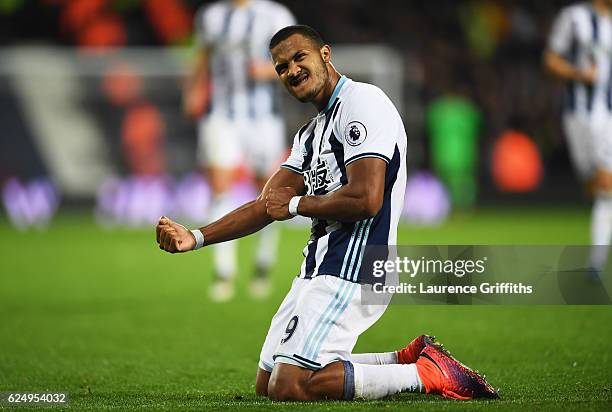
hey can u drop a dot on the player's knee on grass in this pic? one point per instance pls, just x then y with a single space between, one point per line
261 382
293 383
287 382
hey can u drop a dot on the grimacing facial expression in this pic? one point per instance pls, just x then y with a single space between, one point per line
300 65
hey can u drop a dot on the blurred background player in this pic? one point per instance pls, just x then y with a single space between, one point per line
234 83
453 124
579 52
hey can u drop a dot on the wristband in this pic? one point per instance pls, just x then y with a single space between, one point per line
199 238
293 205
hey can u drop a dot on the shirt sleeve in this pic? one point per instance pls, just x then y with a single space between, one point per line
296 158
560 38
368 126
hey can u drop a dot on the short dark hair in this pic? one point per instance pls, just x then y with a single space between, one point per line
301 29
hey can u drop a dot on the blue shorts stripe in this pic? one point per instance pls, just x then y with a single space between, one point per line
347 286
303 362
319 322
333 320
303 359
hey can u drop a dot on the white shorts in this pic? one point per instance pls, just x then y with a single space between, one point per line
602 140
227 143
579 136
318 323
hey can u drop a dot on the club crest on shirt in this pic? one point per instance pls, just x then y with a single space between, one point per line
355 133
318 177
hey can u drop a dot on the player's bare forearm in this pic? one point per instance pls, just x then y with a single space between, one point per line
247 219
344 205
199 70
360 199
252 216
559 67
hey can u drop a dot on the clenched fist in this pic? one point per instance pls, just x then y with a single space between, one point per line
173 237
277 203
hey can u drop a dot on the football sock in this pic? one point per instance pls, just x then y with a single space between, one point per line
224 253
267 248
383 358
225 259
378 381
601 230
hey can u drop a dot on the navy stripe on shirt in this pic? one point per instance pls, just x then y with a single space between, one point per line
250 82
590 88
338 151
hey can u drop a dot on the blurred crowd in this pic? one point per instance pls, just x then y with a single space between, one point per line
489 51
482 57
480 48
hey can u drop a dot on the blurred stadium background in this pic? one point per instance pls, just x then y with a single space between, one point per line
94 148
91 93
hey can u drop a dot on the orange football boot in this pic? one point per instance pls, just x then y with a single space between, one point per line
411 352
442 374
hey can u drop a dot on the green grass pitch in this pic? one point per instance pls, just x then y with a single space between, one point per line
109 318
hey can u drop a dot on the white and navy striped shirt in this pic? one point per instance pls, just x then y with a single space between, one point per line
584 38
234 36
359 121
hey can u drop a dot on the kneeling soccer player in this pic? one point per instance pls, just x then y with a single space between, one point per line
346 171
